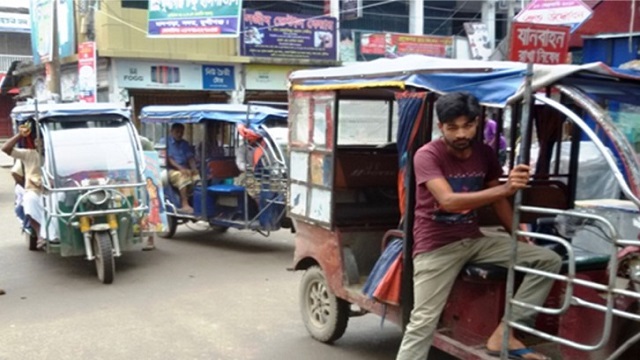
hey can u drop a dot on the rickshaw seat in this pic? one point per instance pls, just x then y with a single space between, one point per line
585 261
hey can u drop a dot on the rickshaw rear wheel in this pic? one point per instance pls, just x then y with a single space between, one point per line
173 226
103 251
324 315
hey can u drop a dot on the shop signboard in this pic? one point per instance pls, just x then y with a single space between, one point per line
218 77
174 76
395 45
197 18
291 36
539 43
555 12
87 72
15 23
479 40
268 77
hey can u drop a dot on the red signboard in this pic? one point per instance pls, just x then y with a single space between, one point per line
539 43
393 45
87 72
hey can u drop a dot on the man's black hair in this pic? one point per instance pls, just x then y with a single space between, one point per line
177 126
454 105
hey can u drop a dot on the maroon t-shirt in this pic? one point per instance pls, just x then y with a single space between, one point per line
433 227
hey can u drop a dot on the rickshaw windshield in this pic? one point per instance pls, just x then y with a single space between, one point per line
621 106
85 149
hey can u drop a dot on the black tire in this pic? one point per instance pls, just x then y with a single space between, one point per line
103 252
32 240
173 226
219 229
324 315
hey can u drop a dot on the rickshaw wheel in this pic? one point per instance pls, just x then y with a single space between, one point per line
173 226
324 315
105 265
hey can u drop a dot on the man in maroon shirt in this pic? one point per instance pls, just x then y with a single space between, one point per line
454 177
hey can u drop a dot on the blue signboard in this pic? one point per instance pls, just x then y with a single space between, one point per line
218 77
293 36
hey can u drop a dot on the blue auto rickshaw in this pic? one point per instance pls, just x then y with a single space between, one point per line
243 169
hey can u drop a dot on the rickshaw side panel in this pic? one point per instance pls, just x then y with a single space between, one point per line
72 241
316 245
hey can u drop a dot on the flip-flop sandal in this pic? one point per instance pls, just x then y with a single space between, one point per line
518 354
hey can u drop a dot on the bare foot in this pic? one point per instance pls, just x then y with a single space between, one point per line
186 209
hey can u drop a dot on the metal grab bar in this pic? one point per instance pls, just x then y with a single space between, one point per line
571 280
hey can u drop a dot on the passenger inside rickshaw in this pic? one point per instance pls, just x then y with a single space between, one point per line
182 168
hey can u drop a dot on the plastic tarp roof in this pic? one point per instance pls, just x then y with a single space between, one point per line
495 83
234 113
24 112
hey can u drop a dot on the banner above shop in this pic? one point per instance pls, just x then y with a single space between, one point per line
539 43
87 72
291 36
555 12
15 23
395 45
196 18
174 76
42 29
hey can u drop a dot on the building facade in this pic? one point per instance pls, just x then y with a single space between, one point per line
15 46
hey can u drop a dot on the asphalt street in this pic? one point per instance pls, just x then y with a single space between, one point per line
200 295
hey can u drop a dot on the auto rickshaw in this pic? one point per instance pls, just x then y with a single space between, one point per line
352 195
242 168
93 188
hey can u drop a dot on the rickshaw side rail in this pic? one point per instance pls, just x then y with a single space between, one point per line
610 289
611 162
93 187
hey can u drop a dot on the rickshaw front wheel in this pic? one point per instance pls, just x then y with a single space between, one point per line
103 251
173 226
324 315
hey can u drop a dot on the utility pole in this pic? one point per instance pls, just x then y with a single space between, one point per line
53 67
416 17
489 18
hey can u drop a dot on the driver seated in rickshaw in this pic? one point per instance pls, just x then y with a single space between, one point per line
455 176
183 171
32 200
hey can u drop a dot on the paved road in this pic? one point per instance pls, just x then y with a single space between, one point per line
198 296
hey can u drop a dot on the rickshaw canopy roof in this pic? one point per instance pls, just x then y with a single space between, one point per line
25 112
232 113
494 83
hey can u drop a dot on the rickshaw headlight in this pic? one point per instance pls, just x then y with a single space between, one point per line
98 197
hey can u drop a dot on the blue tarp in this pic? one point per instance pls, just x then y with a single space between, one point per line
232 113
494 83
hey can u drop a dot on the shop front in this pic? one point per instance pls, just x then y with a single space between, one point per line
160 83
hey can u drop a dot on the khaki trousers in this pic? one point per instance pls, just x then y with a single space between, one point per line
180 180
435 272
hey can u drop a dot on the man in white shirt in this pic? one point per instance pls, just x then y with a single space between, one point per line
32 198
